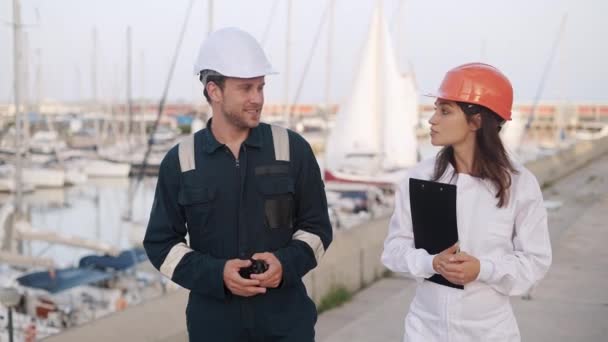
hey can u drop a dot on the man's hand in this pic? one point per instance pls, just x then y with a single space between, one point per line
273 276
460 268
237 284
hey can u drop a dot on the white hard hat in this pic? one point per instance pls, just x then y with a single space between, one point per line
233 52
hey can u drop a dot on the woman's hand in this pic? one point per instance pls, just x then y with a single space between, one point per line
460 268
444 257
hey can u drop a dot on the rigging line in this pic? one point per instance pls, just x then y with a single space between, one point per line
161 104
269 23
395 14
544 76
309 60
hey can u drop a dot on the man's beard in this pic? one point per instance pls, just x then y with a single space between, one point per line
235 119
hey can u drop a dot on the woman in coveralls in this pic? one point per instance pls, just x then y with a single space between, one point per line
503 248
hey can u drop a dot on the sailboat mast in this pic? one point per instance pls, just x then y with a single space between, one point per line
142 92
380 83
330 28
544 76
399 33
25 87
94 101
287 65
47 119
210 17
330 33
161 106
18 118
39 81
129 87
130 193
94 68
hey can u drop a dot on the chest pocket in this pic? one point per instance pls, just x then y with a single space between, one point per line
278 196
198 206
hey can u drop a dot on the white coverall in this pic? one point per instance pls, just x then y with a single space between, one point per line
512 244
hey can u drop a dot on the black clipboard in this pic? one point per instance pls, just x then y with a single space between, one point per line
433 208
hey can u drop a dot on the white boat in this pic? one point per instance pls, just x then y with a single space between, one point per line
121 155
311 125
21 322
46 142
75 176
512 133
33 177
353 198
375 140
104 168
40 158
43 178
585 135
164 135
196 125
82 139
7 184
90 167
72 175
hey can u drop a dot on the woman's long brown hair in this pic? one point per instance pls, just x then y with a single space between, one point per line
490 159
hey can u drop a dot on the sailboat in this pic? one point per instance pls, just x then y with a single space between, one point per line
512 133
374 140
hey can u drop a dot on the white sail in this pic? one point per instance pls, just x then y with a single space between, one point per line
512 132
400 111
374 129
356 130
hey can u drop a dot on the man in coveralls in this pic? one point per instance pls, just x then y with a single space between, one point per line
243 190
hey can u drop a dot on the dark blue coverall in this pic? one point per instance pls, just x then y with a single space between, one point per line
233 208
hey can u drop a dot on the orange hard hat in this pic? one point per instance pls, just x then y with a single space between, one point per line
480 84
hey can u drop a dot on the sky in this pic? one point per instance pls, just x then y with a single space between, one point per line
430 37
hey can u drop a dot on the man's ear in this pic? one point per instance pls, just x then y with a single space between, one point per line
215 92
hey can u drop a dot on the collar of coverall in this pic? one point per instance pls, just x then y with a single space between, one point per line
211 144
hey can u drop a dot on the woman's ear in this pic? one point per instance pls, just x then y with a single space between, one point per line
475 122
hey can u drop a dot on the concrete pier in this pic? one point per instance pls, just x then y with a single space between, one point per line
570 304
